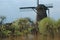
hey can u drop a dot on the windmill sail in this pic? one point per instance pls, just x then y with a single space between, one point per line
49 5
27 7
37 2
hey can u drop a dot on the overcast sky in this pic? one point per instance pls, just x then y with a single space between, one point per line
10 9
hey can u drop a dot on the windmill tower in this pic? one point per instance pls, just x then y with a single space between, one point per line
40 10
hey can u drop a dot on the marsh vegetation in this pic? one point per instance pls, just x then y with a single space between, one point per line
26 29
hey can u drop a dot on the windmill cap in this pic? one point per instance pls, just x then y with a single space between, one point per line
42 6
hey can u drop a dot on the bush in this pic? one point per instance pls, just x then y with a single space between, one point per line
6 33
43 24
18 33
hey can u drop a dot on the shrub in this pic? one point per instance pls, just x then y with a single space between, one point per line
44 23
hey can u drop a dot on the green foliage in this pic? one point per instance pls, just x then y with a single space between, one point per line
3 28
4 32
44 23
14 27
22 24
25 31
17 33
30 28
58 23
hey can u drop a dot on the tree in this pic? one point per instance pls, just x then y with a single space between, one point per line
58 26
4 32
2 19
46 26
22 25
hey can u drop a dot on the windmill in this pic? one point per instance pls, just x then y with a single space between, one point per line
40 10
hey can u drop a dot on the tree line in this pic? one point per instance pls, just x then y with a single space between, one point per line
24 26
